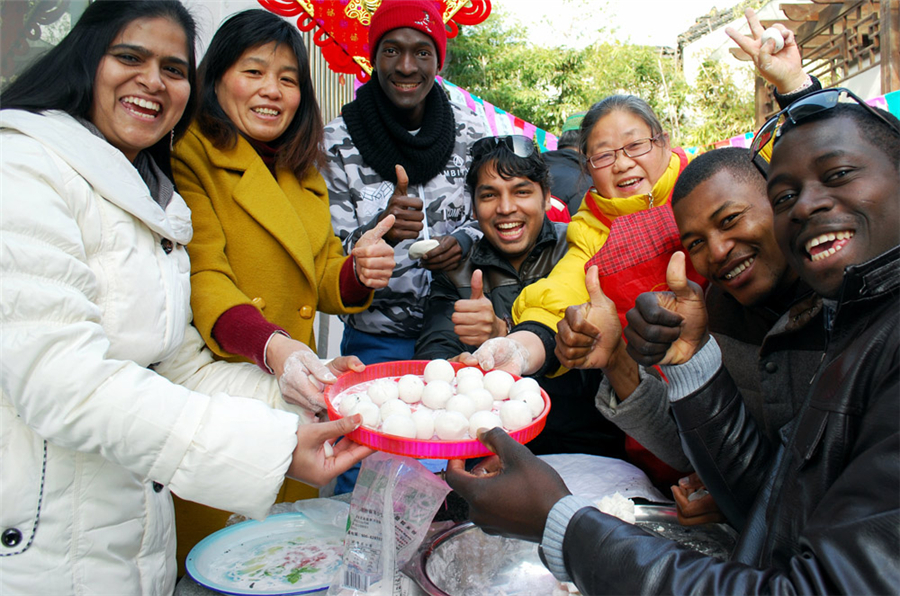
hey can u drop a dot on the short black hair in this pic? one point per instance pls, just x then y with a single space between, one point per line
735 160
570 138
63 78
299 147
509 166
879 134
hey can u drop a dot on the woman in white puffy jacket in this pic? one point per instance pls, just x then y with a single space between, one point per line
109 397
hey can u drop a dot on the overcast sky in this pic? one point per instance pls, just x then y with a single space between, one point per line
575 22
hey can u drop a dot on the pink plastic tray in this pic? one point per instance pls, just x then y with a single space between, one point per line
412 447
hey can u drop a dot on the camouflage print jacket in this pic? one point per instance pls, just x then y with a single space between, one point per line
358 195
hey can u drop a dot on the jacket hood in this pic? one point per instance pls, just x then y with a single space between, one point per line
93 157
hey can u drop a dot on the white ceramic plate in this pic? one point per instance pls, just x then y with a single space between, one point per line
286 554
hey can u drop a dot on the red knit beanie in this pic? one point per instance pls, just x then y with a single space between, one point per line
422 15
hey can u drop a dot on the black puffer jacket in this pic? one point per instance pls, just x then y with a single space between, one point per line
823 511
574 425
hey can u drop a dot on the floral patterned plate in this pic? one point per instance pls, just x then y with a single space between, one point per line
286 554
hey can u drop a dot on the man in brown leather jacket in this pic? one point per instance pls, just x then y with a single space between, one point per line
822 506
510 186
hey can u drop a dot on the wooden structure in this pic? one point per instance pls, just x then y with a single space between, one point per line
840 40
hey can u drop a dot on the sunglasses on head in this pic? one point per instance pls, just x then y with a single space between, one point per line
519 145
805 107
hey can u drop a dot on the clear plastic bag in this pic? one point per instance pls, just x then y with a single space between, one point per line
391 509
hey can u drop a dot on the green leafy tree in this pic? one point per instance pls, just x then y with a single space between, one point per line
543 85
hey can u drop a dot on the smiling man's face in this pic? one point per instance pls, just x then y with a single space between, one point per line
726 226
836 199
407 63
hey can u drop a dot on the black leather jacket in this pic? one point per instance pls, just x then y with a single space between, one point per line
574 425
823 510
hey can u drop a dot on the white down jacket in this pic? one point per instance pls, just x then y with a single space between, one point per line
109 397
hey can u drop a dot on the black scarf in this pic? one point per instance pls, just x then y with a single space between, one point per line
383 142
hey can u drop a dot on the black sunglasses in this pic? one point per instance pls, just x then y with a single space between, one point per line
520 145
807 106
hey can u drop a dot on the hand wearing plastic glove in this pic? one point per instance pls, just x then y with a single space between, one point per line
503 353
301 374
316 459
373 257
668 327
510 493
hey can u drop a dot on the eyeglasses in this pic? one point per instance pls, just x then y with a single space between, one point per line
636 149
520 145
803 108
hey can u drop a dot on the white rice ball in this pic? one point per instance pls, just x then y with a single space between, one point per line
395 407
383 390
424 420
462 404
436 394
371 414
522 385
348 402
469 372
439 370
450 426
534 401
482 399
410 387
469 383
515 414
499 382
484 419
399 426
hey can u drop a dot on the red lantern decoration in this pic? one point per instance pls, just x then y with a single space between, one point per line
342 26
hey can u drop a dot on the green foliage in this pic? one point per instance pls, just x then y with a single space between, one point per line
543 85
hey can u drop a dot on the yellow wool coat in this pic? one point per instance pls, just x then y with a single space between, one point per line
257 240
546 300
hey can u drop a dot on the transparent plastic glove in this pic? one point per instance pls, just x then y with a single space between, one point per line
304 378
503 353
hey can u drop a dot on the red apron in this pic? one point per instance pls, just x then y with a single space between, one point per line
632 261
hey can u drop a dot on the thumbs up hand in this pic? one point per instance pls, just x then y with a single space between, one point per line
668 327
474 320
406 210
589 333
374 258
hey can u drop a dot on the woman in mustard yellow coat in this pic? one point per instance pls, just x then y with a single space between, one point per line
264 257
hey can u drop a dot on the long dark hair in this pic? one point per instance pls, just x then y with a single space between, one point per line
299 148
63 78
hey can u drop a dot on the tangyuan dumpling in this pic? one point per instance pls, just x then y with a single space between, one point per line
395 407
483 419
522 385
439 370
469 383
410 387
515 414
482 399
348 402
371 414
399 425
462 404
436 394
499 382
450 426
424 420
534 400
383 390
467 372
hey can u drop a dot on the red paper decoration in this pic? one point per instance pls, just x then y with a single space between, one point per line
341 26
